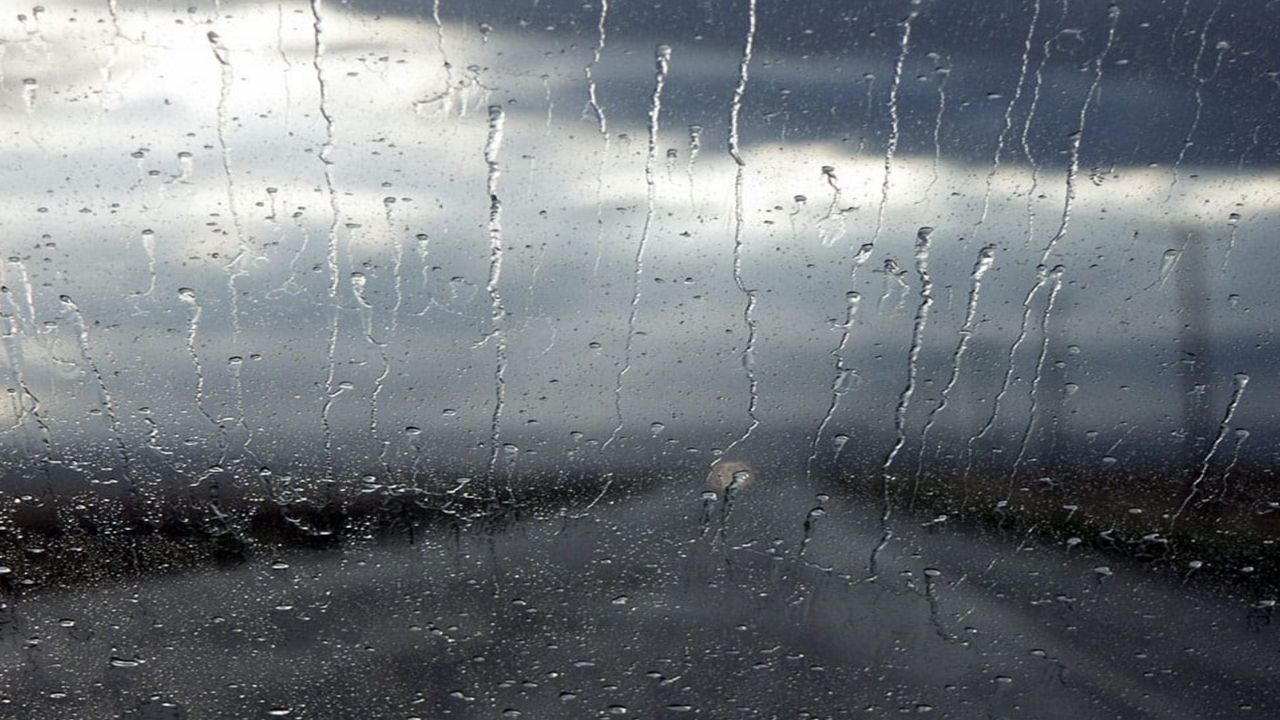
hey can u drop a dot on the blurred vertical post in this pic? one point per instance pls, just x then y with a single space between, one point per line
1194 345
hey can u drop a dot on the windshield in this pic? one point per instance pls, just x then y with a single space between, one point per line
566 359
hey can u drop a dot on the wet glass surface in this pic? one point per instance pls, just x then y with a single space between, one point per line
720 359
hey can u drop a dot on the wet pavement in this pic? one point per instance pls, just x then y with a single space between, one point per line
657 605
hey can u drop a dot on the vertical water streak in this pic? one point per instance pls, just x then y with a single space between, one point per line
748 319
904 46
1008 111
331 256
662 60
1189 139
593 100
986 258
1241 380
1241 435
359 283
842 371
236 364
917 342
492 145
1073 165
602 125
13 350
397 268
904 399
104 394
831 228
234 267
1042 277
117 33
744 65
149 248
941 73
445 96
695 146
188 297
1033 393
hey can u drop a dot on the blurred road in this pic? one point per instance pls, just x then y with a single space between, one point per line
639 608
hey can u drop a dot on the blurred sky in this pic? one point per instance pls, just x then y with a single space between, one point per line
229 246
